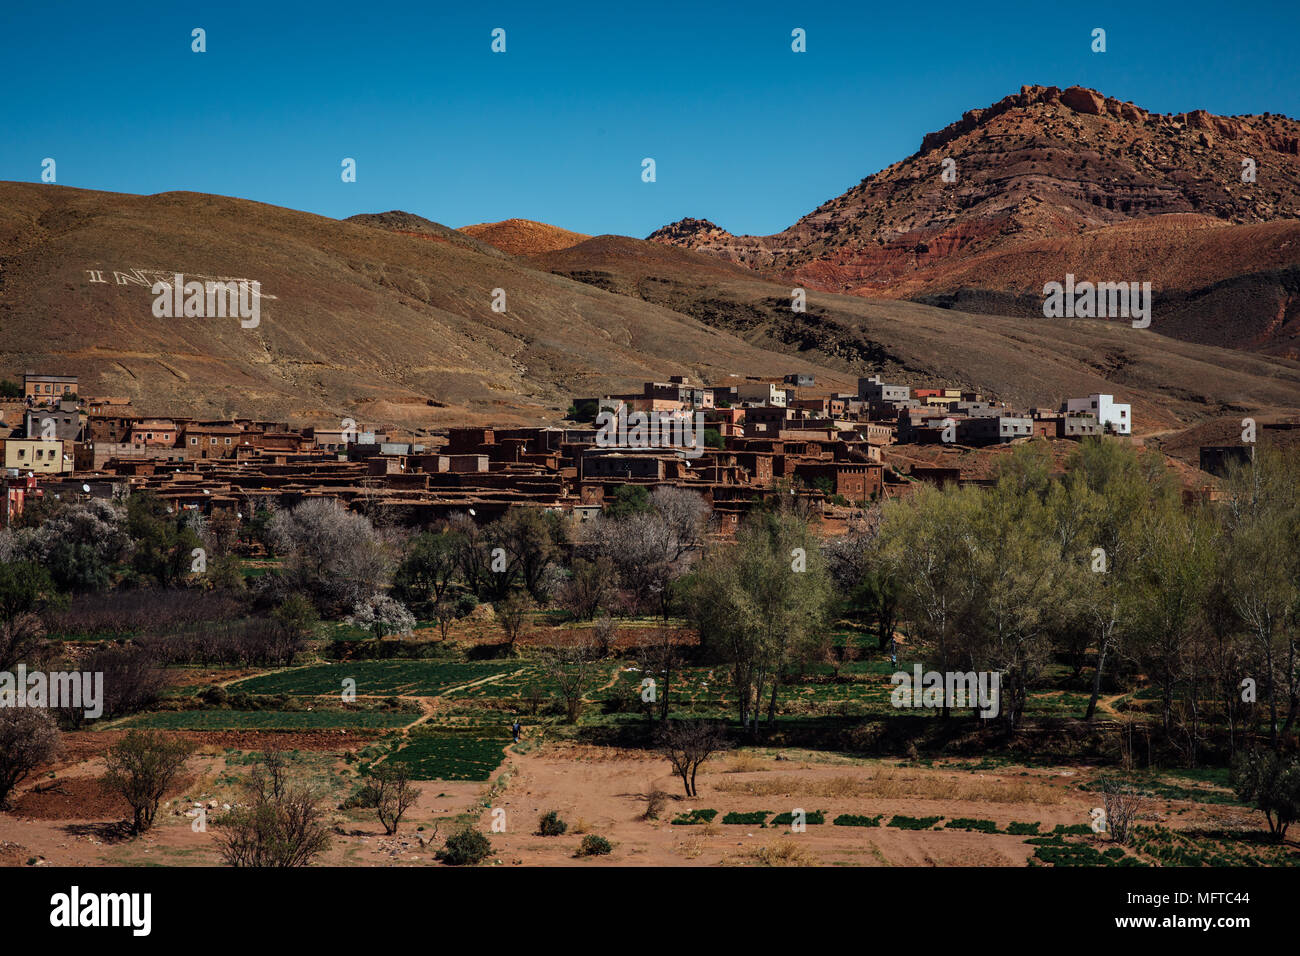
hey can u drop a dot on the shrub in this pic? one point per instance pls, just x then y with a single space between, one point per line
1022 829
593 845
967 823
655 802
1272 783
903 822
856 820
551 825
28 738
282 826
694 817
756 818
141 767
811 817
465 848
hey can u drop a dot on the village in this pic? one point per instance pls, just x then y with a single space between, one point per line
760 437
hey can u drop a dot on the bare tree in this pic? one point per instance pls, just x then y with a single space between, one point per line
687 744
572 667
659 655
591 587
1123 805
141 767
28 738
684 514
512 611
445 614
283 825
390 792
605 631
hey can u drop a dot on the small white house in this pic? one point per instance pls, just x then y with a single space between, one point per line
765 393
1111 415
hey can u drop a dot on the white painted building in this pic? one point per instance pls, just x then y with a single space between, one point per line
765 393
1111 415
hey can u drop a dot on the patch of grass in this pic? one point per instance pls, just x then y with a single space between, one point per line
969 823
904 822
811 817
855 820
756 818
785 852
272 720
694 818
382 678
1023 829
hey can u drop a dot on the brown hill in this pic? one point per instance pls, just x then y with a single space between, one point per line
523 237
374 320
1213 283
1028 361
1043 164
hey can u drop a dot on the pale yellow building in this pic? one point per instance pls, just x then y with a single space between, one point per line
36 455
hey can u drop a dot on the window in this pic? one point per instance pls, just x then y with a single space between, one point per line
193 440
227 441
213 439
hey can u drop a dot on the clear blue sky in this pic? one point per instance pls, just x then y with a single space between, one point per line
744 132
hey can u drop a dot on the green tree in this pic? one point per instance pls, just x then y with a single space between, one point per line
628 500
140 767
164 544
760 604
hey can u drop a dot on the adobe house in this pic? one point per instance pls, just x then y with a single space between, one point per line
153 432
47 389
851 480
211 440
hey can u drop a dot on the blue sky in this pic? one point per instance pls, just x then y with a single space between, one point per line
743 131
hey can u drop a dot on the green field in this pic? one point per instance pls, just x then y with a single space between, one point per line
373 678
273 720
470 754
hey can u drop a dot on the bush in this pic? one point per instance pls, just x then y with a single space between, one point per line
28 738
551 825
757 818
141 767
593 845
1022 829
466 848
1272 783
694 817
903 822
967 823
856 820
655 802
811 817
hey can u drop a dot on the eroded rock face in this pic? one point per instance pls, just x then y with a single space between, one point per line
1039 164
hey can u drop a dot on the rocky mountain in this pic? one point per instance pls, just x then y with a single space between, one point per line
957 221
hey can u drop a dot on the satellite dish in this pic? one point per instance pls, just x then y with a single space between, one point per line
473 512
86 488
